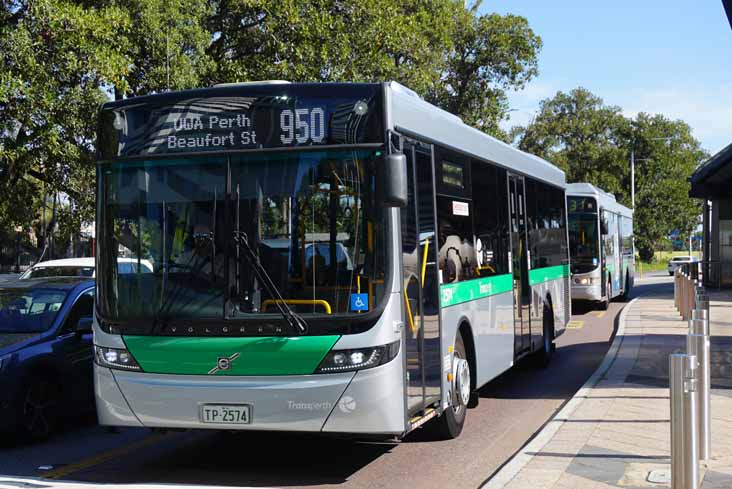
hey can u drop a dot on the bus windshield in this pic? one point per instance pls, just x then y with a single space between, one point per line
310 218
583 242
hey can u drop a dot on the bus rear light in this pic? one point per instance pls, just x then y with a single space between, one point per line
117 358
358 358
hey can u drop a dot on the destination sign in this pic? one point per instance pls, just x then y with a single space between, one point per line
581 204
222 120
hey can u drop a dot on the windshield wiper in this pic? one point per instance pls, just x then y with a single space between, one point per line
296 322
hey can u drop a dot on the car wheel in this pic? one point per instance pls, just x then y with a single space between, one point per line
450 424
39 407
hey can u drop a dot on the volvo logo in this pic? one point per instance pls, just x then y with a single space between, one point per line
223 363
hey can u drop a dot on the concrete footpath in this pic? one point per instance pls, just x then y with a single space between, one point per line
615 431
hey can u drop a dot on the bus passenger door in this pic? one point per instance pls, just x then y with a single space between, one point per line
519 264
420 281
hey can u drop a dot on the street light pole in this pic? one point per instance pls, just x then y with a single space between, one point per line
632 178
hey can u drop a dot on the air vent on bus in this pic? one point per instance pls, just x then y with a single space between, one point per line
261 82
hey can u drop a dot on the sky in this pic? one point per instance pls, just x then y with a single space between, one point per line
658 56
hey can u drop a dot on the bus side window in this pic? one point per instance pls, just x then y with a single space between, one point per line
490 219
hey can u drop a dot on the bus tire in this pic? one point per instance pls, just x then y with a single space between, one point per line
546 352
605 303
450 424
626 290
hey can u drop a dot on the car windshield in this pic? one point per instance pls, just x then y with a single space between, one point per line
29 310
200 224
59 271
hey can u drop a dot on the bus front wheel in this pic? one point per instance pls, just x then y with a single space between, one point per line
450 424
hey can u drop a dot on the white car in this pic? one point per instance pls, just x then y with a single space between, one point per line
81 267
678 261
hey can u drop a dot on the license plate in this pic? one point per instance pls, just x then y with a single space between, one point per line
226 413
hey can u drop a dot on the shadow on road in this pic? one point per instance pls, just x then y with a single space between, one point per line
235 459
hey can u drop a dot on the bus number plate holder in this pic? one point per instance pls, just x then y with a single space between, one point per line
226 413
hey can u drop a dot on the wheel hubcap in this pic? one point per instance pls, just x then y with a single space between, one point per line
461 381
39 403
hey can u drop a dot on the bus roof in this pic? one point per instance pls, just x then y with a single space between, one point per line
410 114
605 200
406 112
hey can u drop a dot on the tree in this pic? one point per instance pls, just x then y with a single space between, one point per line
667 154
332 40
490 54
584 137
55 56
592 142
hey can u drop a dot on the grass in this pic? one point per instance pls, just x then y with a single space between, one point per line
660 261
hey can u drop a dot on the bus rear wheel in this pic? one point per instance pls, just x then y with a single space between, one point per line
626 290
450 424
545 354
605 303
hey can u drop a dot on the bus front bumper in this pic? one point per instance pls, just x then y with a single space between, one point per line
586 292
367 401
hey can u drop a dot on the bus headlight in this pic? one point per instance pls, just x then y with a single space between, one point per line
586 281
358 358
115 358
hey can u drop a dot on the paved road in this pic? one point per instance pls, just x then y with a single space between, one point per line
512 408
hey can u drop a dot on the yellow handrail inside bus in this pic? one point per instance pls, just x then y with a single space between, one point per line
299 302
409 310
424 258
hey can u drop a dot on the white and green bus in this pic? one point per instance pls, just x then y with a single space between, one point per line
600 244
335 258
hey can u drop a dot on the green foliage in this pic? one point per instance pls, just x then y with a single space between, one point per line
55 56
490 53
331 40
581 135
592 142
662 179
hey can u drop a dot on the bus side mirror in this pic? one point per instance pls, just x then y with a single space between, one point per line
391 176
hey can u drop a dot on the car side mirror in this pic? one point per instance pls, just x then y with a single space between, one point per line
391 175
604 228
84 325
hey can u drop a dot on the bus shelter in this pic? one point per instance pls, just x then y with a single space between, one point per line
712 182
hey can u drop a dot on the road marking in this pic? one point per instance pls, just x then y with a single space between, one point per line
103 457
599 314
575 324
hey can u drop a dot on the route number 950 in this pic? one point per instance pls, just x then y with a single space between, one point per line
302 125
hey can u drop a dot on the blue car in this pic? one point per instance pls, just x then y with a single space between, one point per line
45 353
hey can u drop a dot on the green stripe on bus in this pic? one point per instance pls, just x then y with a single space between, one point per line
478 288
257 355
541 275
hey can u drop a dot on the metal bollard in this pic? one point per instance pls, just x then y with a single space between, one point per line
682 296
702 302
698 345
684 436
699 313
696 325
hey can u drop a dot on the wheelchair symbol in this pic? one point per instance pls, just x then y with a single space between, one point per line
359 302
